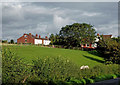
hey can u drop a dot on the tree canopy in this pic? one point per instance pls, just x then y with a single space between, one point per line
52 38
12 41
75 34
110 50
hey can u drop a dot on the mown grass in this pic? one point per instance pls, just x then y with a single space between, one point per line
29 53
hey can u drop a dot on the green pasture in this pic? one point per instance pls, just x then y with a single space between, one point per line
29 53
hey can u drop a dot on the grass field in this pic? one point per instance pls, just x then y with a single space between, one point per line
29 53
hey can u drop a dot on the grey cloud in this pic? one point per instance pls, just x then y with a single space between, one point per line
44 18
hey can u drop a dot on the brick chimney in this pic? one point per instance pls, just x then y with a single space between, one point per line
46 37
36 35
98 34
39 36
30 34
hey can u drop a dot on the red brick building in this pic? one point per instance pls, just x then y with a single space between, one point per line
31 39
106 36
97 38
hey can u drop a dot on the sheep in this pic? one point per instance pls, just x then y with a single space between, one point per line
84 67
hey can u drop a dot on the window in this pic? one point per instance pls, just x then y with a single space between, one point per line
25 40
25 36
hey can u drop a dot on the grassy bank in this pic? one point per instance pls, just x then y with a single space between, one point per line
52 71
29 53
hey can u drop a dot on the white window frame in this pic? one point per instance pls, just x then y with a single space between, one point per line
25 36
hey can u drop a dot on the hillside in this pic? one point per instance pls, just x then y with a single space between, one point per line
29 53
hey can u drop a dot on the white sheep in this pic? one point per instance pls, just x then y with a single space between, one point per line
84 67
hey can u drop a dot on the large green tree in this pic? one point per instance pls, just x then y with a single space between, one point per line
76 34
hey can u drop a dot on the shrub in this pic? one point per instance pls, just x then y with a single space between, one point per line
76 81
13 70
83 81
110 50
89 81
52 69
109 76
118 75
114 76
105 77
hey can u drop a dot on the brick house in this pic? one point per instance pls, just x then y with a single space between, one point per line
31 39
106 36
97 38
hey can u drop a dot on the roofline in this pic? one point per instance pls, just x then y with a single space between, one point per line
42 38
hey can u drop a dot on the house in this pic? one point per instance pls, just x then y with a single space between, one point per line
97 38
31 39
106 36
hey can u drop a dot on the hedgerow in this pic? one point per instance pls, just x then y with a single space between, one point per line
52 71
13 71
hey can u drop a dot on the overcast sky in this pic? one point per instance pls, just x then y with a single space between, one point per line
48 17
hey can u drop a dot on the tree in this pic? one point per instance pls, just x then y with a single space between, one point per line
76 34
57 40
117 39
4 41
110 50
12 41
52 38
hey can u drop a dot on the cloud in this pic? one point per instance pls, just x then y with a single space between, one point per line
110 28
60 0
43 18
91 14
59 21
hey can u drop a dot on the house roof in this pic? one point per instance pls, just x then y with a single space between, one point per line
42 38
106 36
36 37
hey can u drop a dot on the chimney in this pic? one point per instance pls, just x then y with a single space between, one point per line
46 37
98 34
36 35
30 34
39 36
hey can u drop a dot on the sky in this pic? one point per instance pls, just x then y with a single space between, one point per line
49 17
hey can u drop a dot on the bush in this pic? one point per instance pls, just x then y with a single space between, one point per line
118 75
105 77
89 81
52 69
114 76
83 81
13 70
76 81
110 50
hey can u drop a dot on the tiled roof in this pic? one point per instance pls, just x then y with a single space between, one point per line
37 38
106 36
42 38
